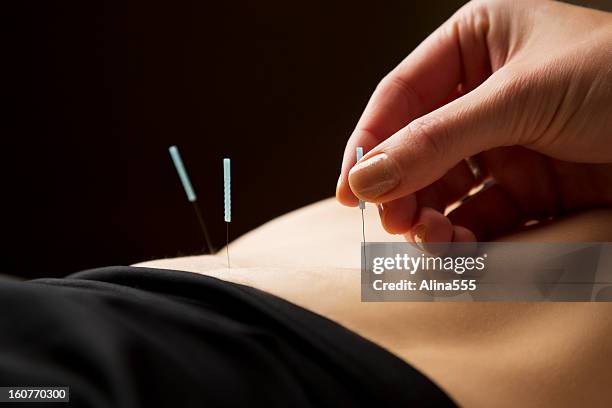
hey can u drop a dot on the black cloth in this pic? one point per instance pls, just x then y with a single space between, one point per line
140 337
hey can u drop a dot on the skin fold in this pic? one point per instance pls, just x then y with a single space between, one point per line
482 354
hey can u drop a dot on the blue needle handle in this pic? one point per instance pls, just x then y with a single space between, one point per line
227 185
180 169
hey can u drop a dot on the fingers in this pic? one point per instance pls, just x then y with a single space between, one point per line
489 213
525 189
430 146
454 185
462 234
434 232
431 227
397 215
455 54
527 177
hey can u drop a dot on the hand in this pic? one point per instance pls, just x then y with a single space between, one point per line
524 89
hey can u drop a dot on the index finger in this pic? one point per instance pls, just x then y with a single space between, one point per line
456 53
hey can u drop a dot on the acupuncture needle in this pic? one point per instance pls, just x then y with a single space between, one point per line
359 152
227 184
191 196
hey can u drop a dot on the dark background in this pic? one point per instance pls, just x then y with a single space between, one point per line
97 90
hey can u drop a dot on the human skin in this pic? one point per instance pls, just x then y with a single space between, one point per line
481 354
523 87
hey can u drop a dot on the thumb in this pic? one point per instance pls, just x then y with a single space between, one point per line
428 147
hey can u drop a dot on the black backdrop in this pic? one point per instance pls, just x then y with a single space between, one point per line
97 90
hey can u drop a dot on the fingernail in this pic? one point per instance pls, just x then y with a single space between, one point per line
419 233
338 184
374 177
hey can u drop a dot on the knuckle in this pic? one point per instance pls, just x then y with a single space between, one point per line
393 82
524 98
431 134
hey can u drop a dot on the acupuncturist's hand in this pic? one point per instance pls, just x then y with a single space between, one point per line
524 89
